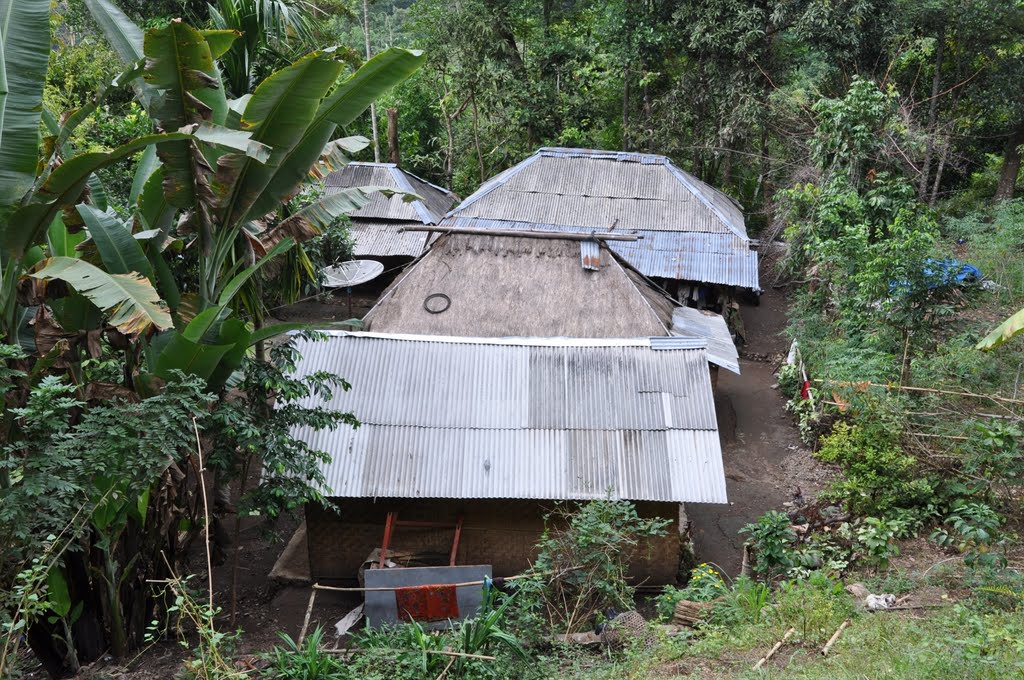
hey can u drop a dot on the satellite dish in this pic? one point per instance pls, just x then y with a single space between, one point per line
351 273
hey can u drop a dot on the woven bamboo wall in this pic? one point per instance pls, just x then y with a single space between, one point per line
502 533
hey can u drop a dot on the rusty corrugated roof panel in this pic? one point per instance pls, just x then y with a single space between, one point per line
701 235
519 418
590 255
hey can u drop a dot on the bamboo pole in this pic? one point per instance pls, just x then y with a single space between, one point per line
442 652
309 612
527 233
445 671
835 636
930 390
771 652
317 586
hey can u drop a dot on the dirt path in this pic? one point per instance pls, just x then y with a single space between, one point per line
764 459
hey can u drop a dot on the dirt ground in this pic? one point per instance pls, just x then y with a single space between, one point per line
765 461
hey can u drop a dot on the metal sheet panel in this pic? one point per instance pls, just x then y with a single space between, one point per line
601 189
694 323
382 609
516 418
722 259
590 255
436 201
379 238
377 461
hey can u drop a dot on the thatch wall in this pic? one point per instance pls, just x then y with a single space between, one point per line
502 286
502 533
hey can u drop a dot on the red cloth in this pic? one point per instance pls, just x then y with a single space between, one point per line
427 603
805 390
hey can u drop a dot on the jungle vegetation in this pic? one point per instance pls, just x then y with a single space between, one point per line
160 169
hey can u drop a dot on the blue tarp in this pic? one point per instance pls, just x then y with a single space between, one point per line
941 273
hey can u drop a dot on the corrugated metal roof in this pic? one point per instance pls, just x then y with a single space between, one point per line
436 200
518 418
698 226
687 256
711 327
711 258
377 238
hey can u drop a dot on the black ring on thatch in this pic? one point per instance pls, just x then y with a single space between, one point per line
440 296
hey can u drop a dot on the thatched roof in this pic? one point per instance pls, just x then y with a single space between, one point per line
504 286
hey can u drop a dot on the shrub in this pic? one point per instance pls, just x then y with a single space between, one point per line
581 565
705 584
815 606
974 530
771 539
877 538
877 475
790 381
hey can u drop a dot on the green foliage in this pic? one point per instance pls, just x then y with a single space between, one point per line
705 583
989 640
997 455
332 246
581 566
307 662
257 427
973 529
814 606
790 381
771 538
877 538
746 603
271 30
409 651
63 472
850 129
209 657
877 475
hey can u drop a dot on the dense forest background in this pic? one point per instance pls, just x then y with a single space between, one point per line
726 88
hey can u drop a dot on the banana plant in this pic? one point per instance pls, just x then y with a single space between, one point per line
40 181
219 197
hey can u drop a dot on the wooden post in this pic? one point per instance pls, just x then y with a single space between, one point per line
393 154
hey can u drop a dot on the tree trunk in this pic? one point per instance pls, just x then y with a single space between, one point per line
394 156
373 108
1011 164
933 108
476 140
625 108
943 155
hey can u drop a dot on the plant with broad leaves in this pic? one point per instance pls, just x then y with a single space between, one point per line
973 529
877 538
771 538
